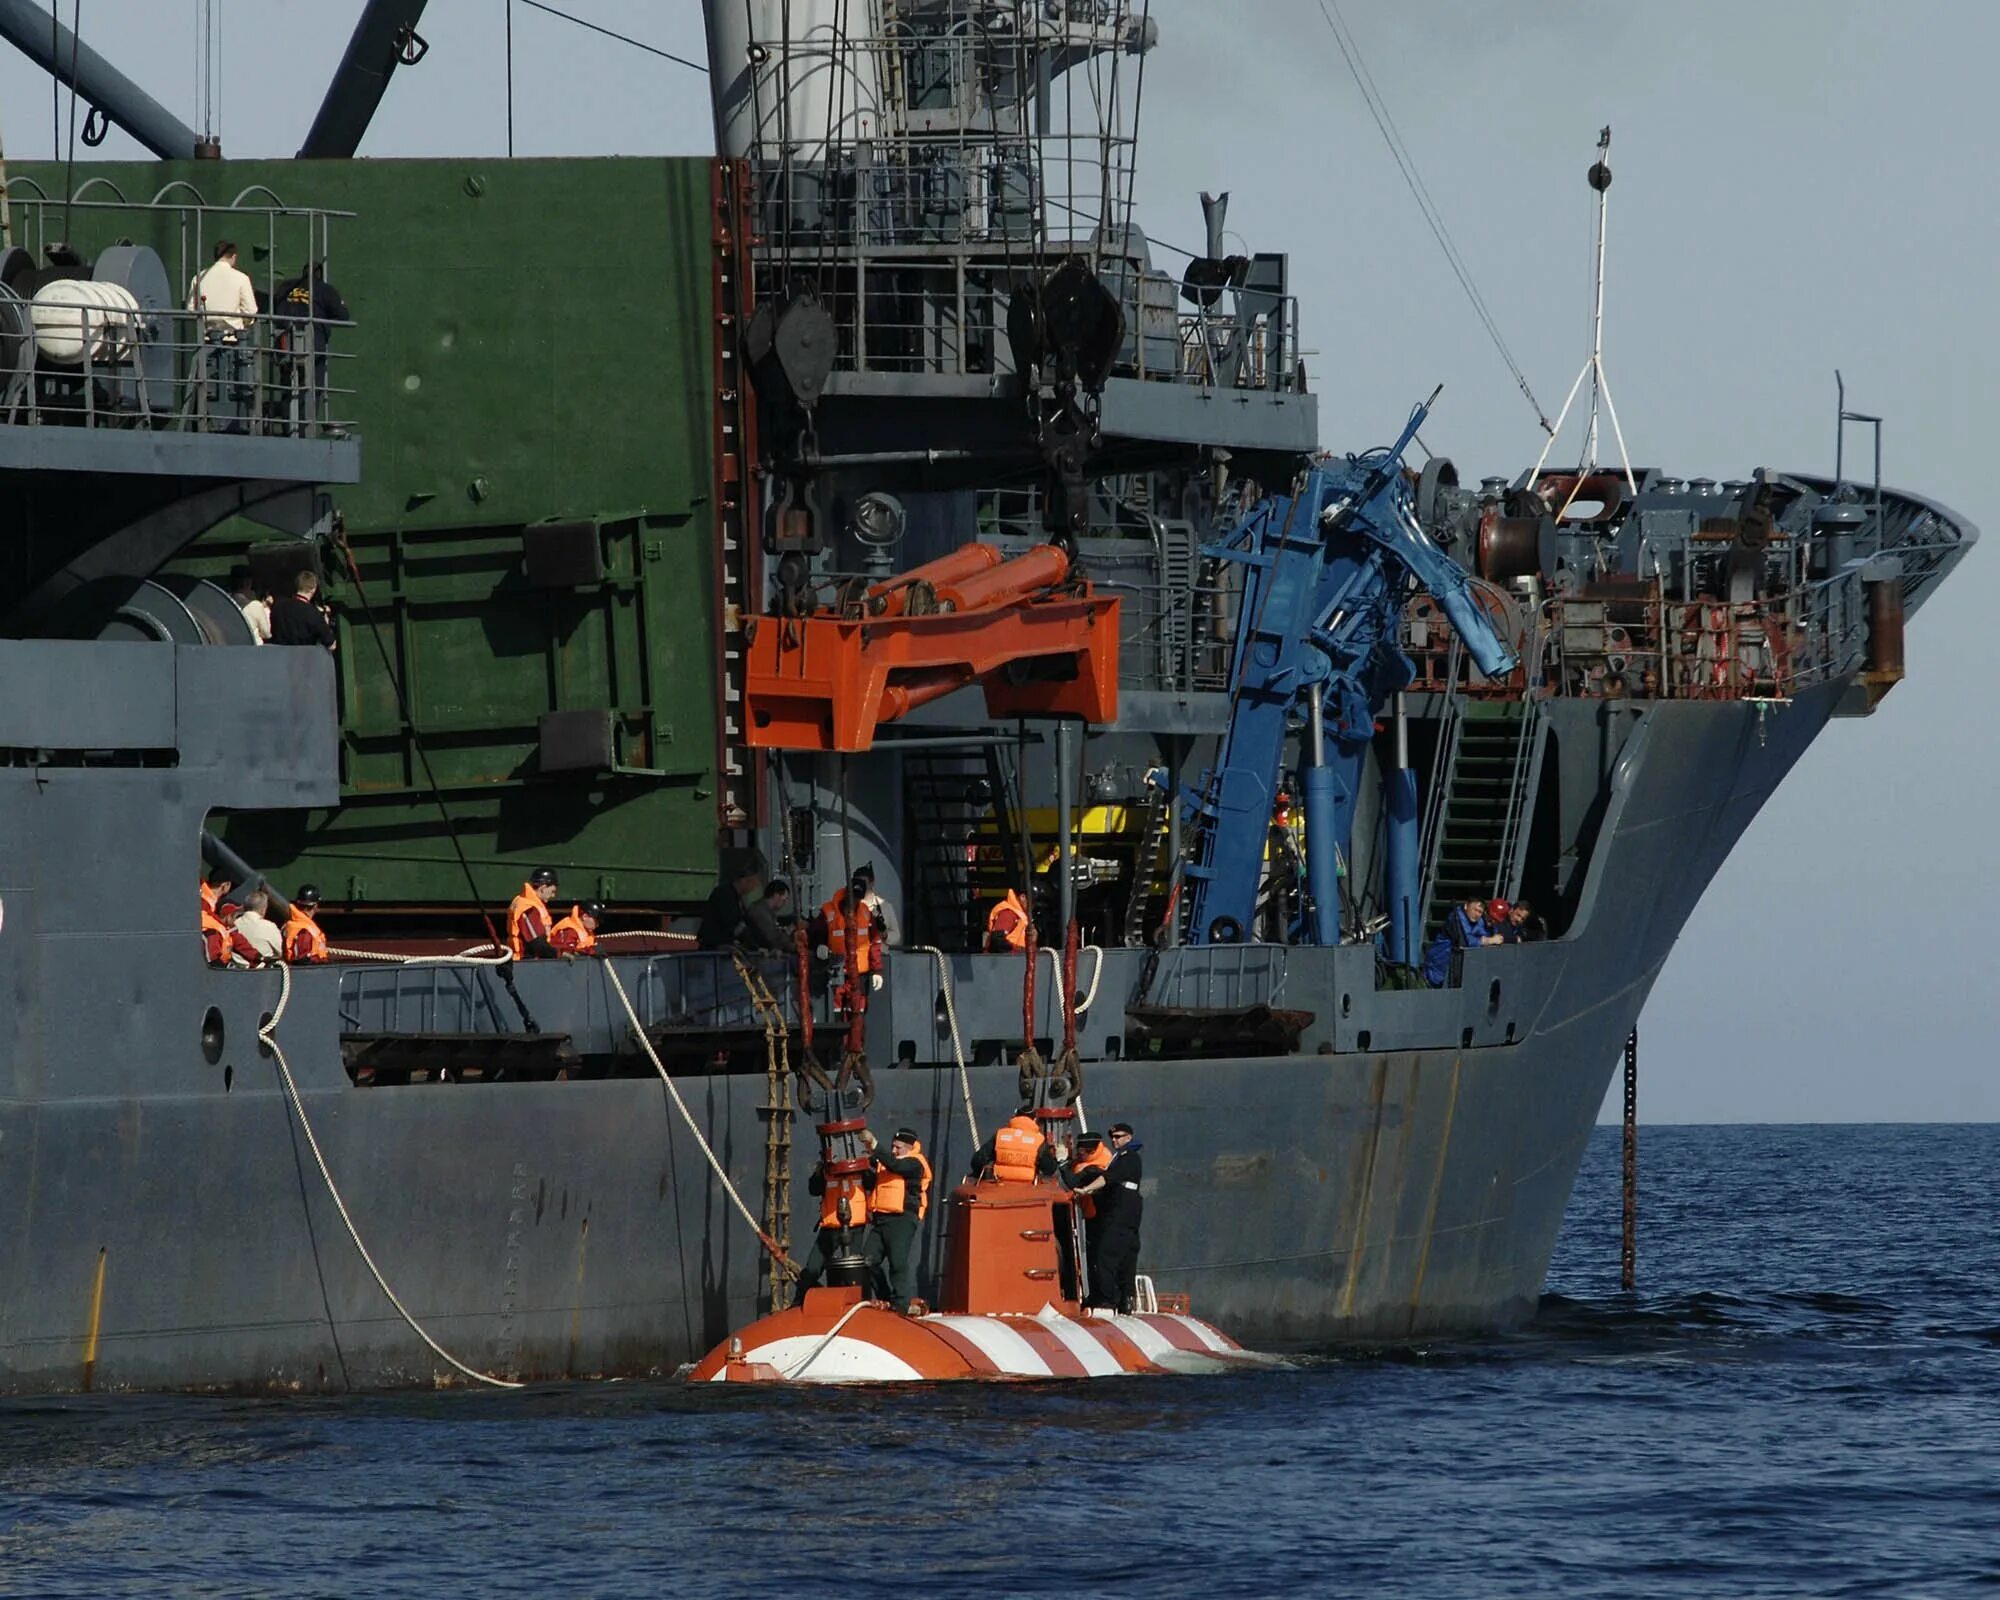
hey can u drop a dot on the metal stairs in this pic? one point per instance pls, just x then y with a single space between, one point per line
1490 781
954 815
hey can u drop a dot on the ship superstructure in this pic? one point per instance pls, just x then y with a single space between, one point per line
581 565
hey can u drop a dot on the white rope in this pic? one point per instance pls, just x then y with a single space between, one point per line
1055 973
464 958
268 1035
728 1188
846 1317
957 1045
1096 972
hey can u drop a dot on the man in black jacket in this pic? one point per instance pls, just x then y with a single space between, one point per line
1114 1232
309 299
299 618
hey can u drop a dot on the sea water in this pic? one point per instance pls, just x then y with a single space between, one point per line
1801 1398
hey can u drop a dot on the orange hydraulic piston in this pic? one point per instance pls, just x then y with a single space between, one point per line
921 689
968 560
1030 573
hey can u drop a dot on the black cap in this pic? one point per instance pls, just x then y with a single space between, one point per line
907 1135
308 895
866 870
542 876
1119 1127
858 885
1089 1141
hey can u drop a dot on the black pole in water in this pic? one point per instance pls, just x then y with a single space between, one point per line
1628 1254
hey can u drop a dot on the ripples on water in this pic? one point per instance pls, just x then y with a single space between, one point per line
1803 1400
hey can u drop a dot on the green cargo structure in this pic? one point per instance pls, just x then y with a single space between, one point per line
533 377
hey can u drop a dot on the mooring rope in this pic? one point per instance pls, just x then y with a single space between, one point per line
707 1150
267 1035
957 1044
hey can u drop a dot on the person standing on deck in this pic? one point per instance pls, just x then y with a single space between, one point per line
848 1192
299 618
255 608
1119 1209
528 918
303 940
576 934
901 1200
1017 1152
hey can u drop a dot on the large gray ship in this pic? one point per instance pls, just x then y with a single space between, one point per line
676 585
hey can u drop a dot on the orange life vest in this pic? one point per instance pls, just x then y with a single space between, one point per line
834 912
891 1198
1014 1150
214 937
1096 1161
1010 918
303 940
209 895
570 934
527 918
857 1202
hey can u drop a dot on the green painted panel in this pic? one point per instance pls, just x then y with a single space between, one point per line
532 343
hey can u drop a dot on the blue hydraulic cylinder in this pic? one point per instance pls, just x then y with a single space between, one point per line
1400 868
1325 841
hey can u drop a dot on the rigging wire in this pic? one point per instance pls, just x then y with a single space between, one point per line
69 170
1385 124
622 38
510 79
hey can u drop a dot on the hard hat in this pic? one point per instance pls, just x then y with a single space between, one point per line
542 877
308 895
590 908
1499 908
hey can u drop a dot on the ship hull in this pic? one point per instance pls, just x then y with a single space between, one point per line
175 1231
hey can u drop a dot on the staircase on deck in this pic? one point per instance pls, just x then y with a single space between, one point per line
1485 787
953 872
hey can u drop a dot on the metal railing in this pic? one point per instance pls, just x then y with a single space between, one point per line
122 341
180 371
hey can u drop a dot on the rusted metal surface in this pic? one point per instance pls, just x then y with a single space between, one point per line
1628 1249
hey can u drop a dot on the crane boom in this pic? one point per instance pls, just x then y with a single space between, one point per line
1326 572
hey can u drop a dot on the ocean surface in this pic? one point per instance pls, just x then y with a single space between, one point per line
1802 1398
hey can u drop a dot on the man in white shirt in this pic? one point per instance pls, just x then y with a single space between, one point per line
255 925
227 304
255 608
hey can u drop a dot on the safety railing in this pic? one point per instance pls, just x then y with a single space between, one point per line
1219 977
103 323
1647 645
112 366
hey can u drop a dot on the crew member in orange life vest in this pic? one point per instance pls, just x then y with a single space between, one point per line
901 1200
214 937
528 917
1017 1152
829 931
1007 925
303 940
576 934
854 1190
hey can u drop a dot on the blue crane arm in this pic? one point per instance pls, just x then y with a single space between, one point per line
1325 573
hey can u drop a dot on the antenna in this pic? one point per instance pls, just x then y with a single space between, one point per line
1599 178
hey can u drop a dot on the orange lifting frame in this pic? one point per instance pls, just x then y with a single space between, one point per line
826 682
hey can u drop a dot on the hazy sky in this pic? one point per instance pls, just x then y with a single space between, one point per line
1800 184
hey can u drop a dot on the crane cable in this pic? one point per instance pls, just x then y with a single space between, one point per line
1385 123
